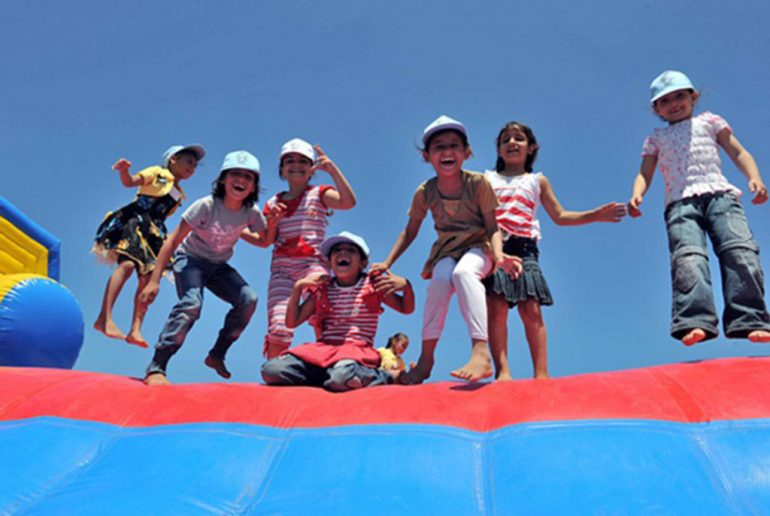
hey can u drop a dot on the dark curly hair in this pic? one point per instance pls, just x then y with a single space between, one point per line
396 336
218 188
531 140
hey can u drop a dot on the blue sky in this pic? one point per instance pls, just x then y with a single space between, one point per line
87 82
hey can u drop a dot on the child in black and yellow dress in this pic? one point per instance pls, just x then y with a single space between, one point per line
132 236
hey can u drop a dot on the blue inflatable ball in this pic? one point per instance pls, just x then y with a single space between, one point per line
41 323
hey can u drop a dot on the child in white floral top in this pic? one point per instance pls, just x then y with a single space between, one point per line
700 201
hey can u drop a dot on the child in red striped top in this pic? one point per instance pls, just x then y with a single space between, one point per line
520 192
345 311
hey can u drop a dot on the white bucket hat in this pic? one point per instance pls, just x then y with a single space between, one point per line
299 146
345 236
443 123
240 159
196 149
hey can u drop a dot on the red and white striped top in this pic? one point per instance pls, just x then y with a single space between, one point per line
519 197
302 230
345 314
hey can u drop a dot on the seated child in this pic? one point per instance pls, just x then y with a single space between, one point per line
345 310
390 355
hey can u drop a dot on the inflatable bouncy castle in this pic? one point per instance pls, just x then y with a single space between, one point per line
41 323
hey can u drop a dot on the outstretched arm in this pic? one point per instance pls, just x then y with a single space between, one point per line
642 184
388 284
129 181
297 311
745 163
509 263
343 197
610 212
164 257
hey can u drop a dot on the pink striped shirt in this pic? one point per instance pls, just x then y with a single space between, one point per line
302 230
519 197
348 313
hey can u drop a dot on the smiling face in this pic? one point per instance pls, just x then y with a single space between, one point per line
296 168
447 151
676 106
182 165
239 183
347 262
514 148
399 345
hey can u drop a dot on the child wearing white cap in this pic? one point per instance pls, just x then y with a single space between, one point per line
205 238
699 201
468 248
345 310
132 236
303 210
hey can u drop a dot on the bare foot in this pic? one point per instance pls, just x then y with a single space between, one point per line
135 338
542 376
759 336
109 328
504 377
415 375
477 368
218 365
693 337
156 379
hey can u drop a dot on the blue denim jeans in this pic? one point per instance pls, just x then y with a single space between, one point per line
191 276
721 216
345 375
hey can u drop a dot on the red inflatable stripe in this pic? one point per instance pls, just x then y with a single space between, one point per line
722 389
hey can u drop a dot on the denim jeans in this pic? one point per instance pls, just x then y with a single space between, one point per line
721 216
191 276
343 376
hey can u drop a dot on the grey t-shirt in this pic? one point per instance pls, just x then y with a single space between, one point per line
216 229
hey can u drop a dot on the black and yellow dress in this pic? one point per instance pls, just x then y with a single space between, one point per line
137 231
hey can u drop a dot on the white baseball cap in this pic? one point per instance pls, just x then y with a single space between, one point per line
196 149
669 81
345 236
443 123
298 146
241 159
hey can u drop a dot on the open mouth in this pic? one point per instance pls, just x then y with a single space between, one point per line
343 262
239 188
448 161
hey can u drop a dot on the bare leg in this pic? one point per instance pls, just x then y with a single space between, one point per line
497 317
140 310
759 336
156 379
695 336
104 322
479 366
537 337
421 371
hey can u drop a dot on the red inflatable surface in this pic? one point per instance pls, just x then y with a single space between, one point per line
723 389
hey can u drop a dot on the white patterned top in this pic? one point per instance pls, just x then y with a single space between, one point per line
688 157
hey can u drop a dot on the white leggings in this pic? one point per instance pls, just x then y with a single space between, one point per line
463 276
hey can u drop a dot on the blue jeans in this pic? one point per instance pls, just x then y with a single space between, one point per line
191 276
343 376
721 216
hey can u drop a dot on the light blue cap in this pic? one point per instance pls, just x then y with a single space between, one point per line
196 149
345 236
442 123
299 146
241 159
669 81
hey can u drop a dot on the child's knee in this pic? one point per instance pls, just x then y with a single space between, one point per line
190 304
530 311
248 297
273 371
342 377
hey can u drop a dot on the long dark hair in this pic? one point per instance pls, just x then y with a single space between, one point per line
531 140
218 188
